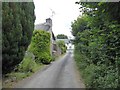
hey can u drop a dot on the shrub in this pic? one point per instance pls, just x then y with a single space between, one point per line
45 58
28 64
40 46
62 46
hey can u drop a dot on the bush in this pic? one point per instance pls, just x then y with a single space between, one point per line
62 46
28 64
46 58
40 46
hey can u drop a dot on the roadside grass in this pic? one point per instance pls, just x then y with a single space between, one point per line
14 77
25 69
79 60
0 84
86 70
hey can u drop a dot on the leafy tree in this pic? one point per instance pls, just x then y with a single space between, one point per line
79 25
62 36
17 27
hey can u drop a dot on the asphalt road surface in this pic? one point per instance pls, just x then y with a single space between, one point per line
61 73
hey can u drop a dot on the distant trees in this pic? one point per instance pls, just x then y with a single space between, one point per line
62 36
62 46
61 43
17 27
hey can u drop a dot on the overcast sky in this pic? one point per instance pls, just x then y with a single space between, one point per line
66 11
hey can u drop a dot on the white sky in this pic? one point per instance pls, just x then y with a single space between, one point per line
66 11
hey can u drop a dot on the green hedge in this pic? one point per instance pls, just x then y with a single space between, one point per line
97 44
97 59
40 46
62 46
96 76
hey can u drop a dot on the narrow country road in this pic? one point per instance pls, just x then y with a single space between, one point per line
60 74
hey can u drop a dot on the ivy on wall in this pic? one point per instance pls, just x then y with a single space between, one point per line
40 46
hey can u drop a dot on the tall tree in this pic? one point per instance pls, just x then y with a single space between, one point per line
17 27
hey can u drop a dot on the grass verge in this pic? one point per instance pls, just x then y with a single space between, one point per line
14 77
25 69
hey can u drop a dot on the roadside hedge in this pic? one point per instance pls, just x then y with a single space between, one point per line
62 46
40 46
97 44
